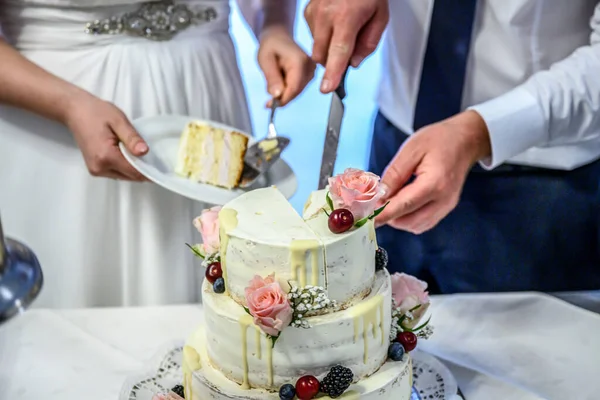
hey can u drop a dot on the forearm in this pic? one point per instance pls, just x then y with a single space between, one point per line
262 15
25 85
553 107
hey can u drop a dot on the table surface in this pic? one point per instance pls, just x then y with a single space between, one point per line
499 346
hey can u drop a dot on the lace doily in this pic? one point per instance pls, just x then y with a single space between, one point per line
432 380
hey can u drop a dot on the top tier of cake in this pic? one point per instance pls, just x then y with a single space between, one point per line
262 234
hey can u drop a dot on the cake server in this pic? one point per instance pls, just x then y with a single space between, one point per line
332 135
261 155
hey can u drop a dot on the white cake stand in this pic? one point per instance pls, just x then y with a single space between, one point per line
431 379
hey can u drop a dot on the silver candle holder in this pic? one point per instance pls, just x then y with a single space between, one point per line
21 277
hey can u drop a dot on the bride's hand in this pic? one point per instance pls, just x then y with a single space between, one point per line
98 127
287 68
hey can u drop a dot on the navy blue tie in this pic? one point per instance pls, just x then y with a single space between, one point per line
445 62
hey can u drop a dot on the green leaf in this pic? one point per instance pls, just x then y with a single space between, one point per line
274 339
195 251
329 201
378 211
403 317
415 307
361 222
418 328
248 311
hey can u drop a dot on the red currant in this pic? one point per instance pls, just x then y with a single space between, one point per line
307 387
213 272
408 340
340 220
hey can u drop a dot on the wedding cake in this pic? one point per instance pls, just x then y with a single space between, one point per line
302 307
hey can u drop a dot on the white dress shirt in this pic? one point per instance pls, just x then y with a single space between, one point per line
533 74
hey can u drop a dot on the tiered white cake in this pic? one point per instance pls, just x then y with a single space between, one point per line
233 357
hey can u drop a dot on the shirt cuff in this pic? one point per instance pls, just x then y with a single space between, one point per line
515 122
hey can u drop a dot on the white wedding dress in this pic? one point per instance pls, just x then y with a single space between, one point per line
104 242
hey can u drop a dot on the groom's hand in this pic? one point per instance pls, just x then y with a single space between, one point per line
287 68
438 156
345 32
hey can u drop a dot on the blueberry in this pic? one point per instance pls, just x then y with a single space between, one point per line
396 352
287 392
219 285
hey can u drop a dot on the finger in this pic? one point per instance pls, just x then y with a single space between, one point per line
118 163
401 169
113 174
421 220
127 134
309 15
338 57
408 200
273 74
296 78
369 36
322 30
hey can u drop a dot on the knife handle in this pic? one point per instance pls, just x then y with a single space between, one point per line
341 89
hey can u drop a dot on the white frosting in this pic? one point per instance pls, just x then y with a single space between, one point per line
357 338
392 381
270 237
350 256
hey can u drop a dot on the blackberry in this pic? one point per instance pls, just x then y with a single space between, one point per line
381 259
178 390
337 381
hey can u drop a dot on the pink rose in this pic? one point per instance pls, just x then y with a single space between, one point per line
357 191
268 304
208 226
409 292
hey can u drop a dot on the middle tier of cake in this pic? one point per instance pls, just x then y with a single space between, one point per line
357 338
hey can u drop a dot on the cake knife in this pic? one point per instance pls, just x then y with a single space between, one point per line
332 135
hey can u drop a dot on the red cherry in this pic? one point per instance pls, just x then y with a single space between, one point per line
408 340
307 387
340 220
213 272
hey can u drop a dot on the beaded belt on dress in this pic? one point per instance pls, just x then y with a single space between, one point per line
154 20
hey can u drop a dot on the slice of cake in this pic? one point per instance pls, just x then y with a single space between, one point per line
211 155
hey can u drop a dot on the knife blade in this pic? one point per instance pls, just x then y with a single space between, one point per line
332 135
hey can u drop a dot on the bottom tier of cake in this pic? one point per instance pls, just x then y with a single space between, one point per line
202 382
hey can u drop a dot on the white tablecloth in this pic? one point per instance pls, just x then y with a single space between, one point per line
505 347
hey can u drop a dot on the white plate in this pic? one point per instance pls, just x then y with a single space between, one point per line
431 378
162 134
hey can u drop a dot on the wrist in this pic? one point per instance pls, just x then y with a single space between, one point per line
278 17
68 103
474 132
280 30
